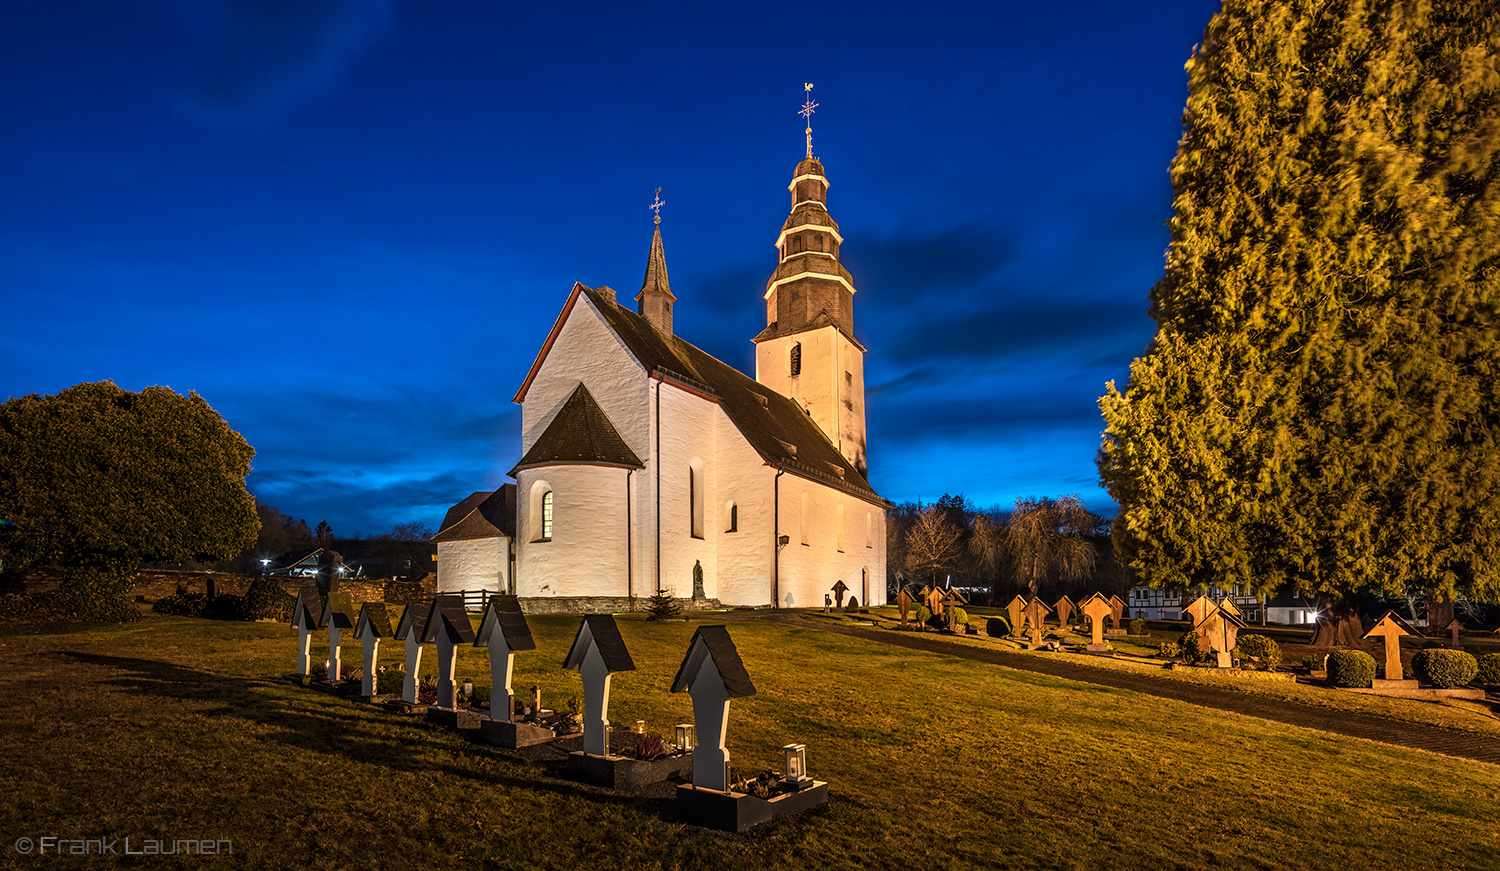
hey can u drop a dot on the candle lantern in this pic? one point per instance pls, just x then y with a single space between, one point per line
684 736
796 764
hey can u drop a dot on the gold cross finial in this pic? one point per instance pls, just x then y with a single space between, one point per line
656 206
807 112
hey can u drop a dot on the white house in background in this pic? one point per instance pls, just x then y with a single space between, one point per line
645 458
476 544
1148 603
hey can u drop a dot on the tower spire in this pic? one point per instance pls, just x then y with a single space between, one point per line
807 112
654 302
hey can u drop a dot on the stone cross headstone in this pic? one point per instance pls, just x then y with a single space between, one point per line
503 630
1016 610
374 624
713 675
1453 629
338 615
307 616
1390 628
839 589
412 626
1095 609
1064 608
903 604
1036 612
598 652
447 626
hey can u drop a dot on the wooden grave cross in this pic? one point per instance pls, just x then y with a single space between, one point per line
903 604
1095 609
1390 628
1453 629
1016 611
839 589
1036 612
1116 611
1065 608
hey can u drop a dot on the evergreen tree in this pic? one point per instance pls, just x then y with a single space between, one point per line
663 606
1319 404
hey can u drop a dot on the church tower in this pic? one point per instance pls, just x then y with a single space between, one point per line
807 350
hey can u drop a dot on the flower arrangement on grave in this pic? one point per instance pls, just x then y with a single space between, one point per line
763 785
427 690
644 745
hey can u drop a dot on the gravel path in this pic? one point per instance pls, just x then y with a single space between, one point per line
1436 739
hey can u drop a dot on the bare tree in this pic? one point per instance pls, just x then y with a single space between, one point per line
1047 539
932 542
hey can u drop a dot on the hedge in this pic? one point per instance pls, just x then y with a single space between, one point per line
1445 668
1351 668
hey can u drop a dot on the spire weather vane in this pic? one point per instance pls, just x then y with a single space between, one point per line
807 112
656 206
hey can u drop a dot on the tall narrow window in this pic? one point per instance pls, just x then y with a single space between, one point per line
795 361
869 540
547 516
732 518
695 496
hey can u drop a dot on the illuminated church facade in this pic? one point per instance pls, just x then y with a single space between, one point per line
648 464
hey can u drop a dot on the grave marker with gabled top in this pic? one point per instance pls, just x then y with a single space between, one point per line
839 589
1065 609
1117 613
503 630
374 624
1390 628
597 653
1036 612
1095 609
447 626
307 616
413 624
903 604
713 674
1016 610
338 615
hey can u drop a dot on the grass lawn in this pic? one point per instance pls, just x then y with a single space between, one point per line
177 728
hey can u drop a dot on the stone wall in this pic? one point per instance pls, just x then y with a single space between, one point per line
154 585
601 604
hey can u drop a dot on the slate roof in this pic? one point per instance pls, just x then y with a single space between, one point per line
581 433
775 426
481 515
375 616
656 269
606 637
504 612
308 602
413 620
447 614
339 609
713 642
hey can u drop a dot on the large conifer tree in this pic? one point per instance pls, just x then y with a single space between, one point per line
1319 406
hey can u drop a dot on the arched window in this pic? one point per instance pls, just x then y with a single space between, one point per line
732 518
794 362
540 519
695 496
806 517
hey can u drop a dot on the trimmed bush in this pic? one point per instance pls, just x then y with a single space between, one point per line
66 605
960 616
852 607
266 600
1192 647
1169 649
923 614
1445 668
1351 668
1262 648
999 627
388 680
182 605
1137 626
225 607
1489 668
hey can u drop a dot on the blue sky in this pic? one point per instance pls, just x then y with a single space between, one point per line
349 225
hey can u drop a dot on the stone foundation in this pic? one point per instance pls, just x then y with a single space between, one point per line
603 604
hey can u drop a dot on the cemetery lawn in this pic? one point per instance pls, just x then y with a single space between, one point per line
177 728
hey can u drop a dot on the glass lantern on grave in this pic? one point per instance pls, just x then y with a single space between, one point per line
796 765
684 737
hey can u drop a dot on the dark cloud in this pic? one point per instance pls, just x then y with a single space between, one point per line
984 411
353 505
906 267
253 59
1108 329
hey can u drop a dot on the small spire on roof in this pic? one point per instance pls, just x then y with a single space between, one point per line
807 112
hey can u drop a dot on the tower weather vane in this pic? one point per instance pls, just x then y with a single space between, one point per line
656 206
807 112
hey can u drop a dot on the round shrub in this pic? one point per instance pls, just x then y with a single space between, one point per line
853 606
266 600
1170 650
960 616
182 605
1351 668
1192 647
1445 668
999 627
923 614
1489 668
1262 648
1137 626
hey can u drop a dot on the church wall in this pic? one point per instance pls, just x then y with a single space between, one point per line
821 387
586 555
810 511
687 431
585 350
745 556
476 564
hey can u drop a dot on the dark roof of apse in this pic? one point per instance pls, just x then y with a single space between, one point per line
580 433
481 515
775 426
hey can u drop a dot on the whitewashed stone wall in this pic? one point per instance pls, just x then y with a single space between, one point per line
585 350
586 556
809 570
821 388
476 564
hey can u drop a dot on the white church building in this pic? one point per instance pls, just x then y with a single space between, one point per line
648 464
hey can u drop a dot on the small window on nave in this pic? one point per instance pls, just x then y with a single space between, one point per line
795 360
732 518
